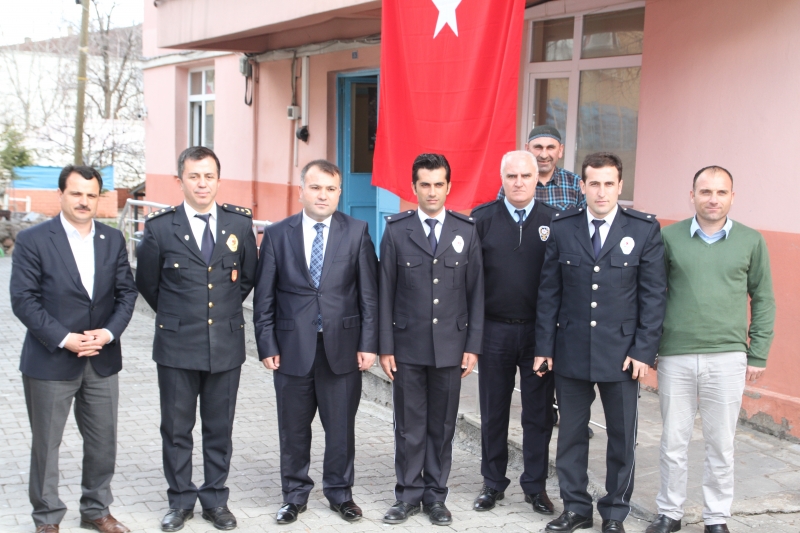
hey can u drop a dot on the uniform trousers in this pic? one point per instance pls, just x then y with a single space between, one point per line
180 389
505 348
425 410
620 405
96 403
336 396
713 384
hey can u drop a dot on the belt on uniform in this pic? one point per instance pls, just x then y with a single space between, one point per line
509 320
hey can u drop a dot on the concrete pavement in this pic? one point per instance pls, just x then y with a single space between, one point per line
768 470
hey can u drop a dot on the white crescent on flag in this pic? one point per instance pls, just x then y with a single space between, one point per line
447 15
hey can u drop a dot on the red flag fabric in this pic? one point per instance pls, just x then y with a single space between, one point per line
448 84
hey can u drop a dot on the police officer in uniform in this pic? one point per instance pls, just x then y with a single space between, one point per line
431 326
601 303
196 265
514 233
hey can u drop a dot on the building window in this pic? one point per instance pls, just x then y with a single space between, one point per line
201 108
582 77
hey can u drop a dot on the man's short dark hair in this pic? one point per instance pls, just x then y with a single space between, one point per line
716 169
601 160
323 165
89 173
197 153
429 162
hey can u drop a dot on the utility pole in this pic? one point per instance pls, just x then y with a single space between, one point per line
82 53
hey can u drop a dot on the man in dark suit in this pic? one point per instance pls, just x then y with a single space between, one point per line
71 286
195 266
601 303
514 233
316 321
431 326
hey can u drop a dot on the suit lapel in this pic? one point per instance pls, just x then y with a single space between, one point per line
615 234
335 233
448 228
582 234
61 243
298 246
100 255
417 234
220 239
183 230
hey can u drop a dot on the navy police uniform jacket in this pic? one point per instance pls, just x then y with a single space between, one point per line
431 307
592 313
199 320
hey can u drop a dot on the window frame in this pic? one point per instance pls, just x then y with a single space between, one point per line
203 99
569 69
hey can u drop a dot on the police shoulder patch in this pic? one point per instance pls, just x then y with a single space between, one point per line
159 212
244 211
398 216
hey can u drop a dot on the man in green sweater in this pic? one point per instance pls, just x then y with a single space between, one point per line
713 264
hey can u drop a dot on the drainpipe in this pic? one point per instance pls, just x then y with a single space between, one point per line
254 183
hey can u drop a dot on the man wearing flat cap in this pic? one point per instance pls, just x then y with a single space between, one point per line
558 187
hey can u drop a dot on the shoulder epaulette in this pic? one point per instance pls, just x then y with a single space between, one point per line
398 216
484 206
465 218
244 211
649 217
571 212
156 214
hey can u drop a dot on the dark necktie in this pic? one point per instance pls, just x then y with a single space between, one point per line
207 244
315 265
596 243
432 235
521 214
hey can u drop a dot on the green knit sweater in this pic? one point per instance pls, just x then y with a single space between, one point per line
707 290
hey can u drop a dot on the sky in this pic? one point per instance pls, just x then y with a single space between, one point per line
44 19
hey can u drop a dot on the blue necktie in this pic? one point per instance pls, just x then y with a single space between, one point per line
207 244
315 268
596 244
521 214
432 235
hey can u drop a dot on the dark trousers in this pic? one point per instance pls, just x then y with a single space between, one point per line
180 389
506 347
620 404
425 410
96 403
299 397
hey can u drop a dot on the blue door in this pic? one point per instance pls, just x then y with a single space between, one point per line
358 125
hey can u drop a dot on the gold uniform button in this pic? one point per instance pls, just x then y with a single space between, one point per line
408 264
210 286
594 304
435 281
435 320
209 269
161 326
436 301
594 287
435 261
597 269
176 265
625 264
210 321
211 304
593 323
567 262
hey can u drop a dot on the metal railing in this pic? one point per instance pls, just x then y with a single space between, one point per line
132 218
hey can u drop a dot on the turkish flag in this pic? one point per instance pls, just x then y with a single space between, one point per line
448 84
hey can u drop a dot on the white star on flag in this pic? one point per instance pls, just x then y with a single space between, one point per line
447 15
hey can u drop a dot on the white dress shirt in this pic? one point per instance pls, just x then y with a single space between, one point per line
309 234
439 218
609 219
83 252
199 226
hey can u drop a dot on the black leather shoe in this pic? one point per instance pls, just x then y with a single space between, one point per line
348 510
487 499
220 518
399 512
540 502
613 526
663 524
438 514
174 519
288 512
569 522
716 528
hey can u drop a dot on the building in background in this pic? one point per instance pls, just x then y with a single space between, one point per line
670 85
